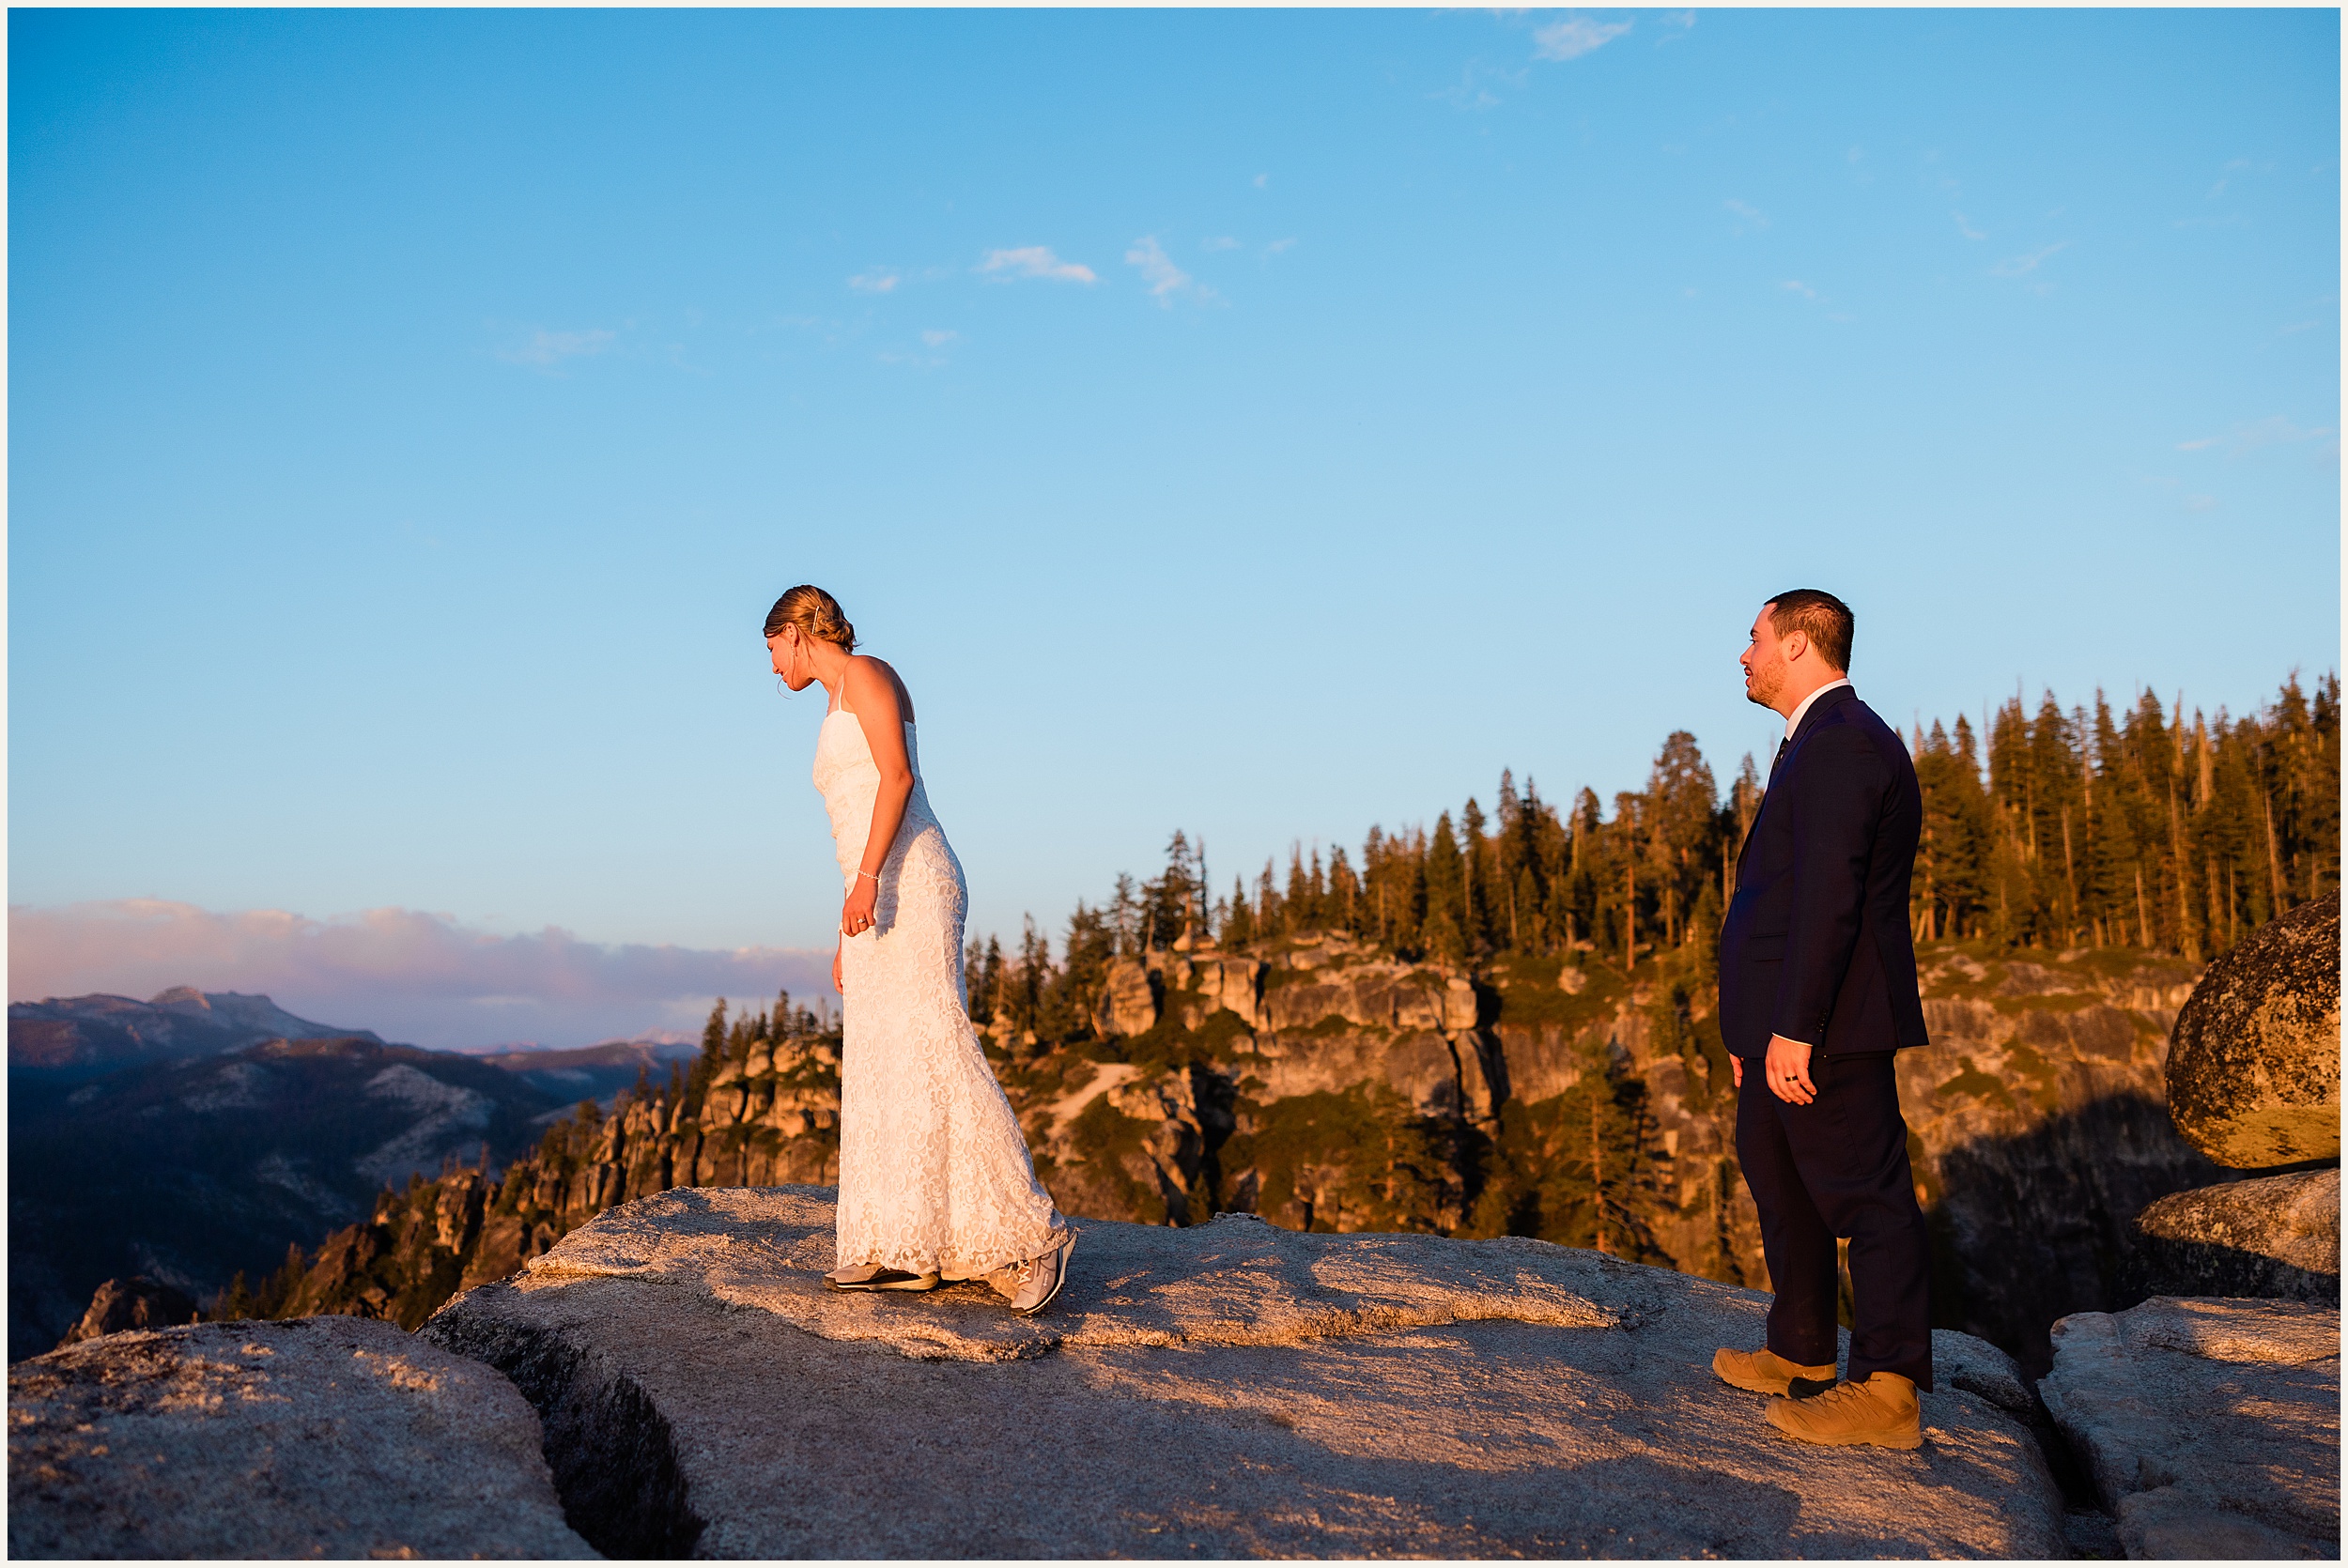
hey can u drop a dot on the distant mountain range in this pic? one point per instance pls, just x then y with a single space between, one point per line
594 1071
196 1134
83 1035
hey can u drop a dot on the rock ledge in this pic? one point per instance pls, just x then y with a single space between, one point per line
2211 1427
322 1436
1228 1389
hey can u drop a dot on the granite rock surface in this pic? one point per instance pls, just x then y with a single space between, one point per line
2254 1062
2268 1236
2209 1427
1230 1389
324 1437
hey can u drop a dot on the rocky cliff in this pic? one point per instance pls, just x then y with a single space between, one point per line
675 1374
1330 1090
326 1437
1226 1390
1327 1089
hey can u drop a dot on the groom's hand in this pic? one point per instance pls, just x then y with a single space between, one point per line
1789 1070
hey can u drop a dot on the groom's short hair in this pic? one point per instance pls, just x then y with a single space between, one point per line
1827 620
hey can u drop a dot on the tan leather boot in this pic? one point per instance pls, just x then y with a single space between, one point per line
1763 1371
1881 1410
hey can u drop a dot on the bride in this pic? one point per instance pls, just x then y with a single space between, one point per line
934 1179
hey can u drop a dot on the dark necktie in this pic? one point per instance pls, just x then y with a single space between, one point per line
1780 758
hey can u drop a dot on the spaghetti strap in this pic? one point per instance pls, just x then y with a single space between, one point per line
840 698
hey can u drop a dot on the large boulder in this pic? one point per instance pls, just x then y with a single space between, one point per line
137 1302
2254 1060
322 1437
2209 1427
1226 1390
2270 1236
1129 1003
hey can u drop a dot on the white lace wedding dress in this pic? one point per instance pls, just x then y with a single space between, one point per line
933 1173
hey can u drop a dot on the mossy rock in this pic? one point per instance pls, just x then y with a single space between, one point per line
2254 1061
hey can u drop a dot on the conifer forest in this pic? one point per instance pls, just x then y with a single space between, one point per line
2061 828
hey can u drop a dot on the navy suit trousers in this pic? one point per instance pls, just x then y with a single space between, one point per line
1838 1167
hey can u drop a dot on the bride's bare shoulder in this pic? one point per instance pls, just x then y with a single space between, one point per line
881 670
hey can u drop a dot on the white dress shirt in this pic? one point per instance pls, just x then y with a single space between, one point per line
1793 720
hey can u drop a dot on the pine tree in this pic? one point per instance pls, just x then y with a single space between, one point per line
1475 911
1444 937
1239 927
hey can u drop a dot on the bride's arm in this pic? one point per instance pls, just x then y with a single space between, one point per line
872 698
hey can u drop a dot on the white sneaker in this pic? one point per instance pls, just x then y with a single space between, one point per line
1035 1282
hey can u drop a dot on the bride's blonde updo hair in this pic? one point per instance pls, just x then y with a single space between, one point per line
816 614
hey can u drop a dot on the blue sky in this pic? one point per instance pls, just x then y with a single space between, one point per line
1264 424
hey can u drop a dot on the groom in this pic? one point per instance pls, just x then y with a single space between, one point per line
1817 990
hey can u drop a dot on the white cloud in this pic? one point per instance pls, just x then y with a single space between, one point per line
408 975
1034 261
1165 281
880 280
1751 214
1966 229
1795 286
2021 265
543 350
1471 91
1219 242
1263 181
2274 430
1277 246
1575 36
938 337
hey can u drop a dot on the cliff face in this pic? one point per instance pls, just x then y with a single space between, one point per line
2040 1127
1329 1089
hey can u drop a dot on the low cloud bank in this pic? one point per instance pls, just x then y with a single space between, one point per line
408 975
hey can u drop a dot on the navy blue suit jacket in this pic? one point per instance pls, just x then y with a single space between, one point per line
1816 945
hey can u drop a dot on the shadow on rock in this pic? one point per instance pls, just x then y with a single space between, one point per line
2030 1228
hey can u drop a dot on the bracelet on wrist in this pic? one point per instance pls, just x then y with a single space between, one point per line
874 875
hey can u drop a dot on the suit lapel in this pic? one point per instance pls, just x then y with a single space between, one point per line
1818 710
